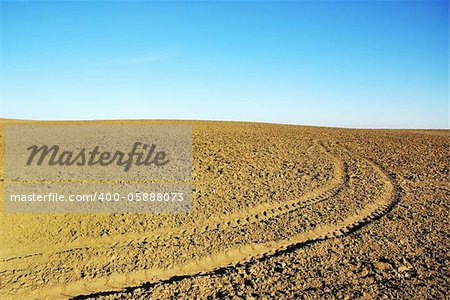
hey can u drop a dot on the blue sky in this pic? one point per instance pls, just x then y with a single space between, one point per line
371 64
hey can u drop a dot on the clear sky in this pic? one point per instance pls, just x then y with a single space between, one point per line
374 64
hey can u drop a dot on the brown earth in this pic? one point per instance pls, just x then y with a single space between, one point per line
279 211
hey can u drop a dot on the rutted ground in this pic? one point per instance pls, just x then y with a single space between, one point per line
265 196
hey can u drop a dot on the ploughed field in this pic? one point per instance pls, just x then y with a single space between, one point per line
278 212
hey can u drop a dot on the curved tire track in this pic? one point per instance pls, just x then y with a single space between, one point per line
249 252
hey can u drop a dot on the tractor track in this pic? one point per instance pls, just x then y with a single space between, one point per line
235 255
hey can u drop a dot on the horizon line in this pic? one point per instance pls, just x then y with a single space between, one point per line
215 120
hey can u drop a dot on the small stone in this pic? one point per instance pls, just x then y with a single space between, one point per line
364 272
402 269
382 266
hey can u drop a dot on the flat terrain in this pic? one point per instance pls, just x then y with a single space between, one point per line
279 211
